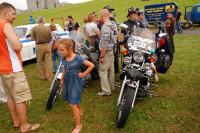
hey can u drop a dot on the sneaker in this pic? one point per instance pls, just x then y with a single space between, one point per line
104 93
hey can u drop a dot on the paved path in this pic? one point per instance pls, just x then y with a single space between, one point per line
191 32
186 32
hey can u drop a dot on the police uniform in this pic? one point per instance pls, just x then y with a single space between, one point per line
131 23
42 37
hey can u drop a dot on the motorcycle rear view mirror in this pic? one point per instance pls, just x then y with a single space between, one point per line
122 25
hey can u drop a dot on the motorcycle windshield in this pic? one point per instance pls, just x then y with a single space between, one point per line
141 39
79 39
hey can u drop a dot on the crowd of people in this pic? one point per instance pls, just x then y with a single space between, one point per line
101 35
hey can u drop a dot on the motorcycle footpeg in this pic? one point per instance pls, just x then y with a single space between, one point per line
154 85
139 98
118 86
118 83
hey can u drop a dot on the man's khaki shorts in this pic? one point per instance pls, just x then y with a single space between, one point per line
16 86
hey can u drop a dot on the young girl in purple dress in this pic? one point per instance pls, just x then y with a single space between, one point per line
72 78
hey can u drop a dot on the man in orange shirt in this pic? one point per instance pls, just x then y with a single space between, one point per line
14 80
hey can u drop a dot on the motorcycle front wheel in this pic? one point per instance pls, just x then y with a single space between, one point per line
125 106
53 94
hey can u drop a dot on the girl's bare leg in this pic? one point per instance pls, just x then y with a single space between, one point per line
76 113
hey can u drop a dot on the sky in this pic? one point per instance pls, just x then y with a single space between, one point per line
21 4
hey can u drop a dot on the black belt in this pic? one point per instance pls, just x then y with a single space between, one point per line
42 42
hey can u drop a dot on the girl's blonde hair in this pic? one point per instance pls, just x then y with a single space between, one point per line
67 43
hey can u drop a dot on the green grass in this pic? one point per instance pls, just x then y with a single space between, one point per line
79 11
176 109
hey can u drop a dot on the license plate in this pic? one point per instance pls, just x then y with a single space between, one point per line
139 44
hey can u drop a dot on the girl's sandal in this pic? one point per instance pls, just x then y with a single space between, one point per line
16 126
77 129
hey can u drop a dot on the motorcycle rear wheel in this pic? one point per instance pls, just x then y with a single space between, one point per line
53 95
125 106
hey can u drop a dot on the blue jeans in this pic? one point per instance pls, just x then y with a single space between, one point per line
178 27
55 55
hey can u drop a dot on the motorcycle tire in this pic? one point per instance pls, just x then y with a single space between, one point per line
125 107
186 25
53 95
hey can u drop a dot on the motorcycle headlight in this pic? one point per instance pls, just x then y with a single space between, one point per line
138 57
127 60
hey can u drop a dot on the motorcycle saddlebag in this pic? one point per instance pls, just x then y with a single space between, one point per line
163 63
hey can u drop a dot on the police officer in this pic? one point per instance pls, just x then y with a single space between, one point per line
143 21
132 21
42 36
